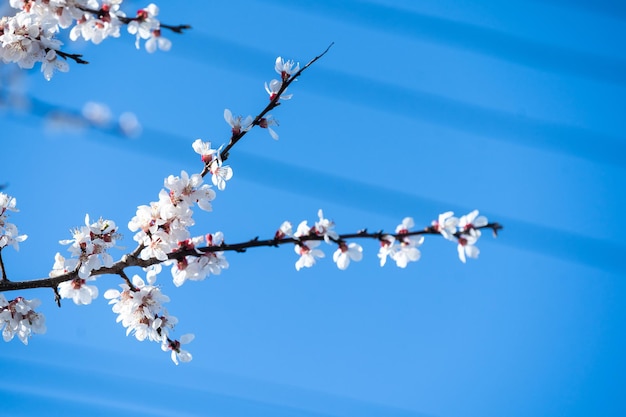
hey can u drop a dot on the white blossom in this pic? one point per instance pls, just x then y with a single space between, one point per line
308 253
178 354
286 68
238 124
466 243
446 224
18 318
345 253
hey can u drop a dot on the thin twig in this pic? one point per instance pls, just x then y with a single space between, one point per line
272 104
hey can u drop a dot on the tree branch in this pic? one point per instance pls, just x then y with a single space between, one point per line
132 259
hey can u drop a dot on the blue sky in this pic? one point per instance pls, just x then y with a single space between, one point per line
515 109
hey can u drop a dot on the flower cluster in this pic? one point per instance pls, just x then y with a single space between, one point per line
285 69
9 235
88 246
275 90
465 231
30 36
18 317
200 265
162 227
212 159
402 248
309 238
140 310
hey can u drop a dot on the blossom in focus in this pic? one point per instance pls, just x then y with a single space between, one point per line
286 68
96 28
89 244
308 253
18 318
446 224
220 173
325 227
189 190
144 24
472 221
204 149
407 251
9 235
140 310
237 124
78 290
273 88
198 267
402 248
345 253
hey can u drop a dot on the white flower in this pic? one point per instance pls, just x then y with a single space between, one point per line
324 227
406 224
446 224
273 88
466 244
18 318
140 309
78 291
285 68
236 123
472 221
404 248
204 149
157 245
144 23
189 190
308 253
268 121
345 253
96 28
285 229
51 63
10 236
387 247
220 173
8 231
302 230
407 251
158 41
90 243
178 354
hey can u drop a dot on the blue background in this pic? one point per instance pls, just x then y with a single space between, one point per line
515 108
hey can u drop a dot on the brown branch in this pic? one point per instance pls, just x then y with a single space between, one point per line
75 57
131 260
126 20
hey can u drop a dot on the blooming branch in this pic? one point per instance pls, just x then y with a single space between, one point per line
162 232
30 36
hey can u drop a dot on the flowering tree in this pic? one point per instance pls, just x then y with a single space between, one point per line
162 229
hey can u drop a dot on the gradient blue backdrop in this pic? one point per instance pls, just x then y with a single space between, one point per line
515 108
